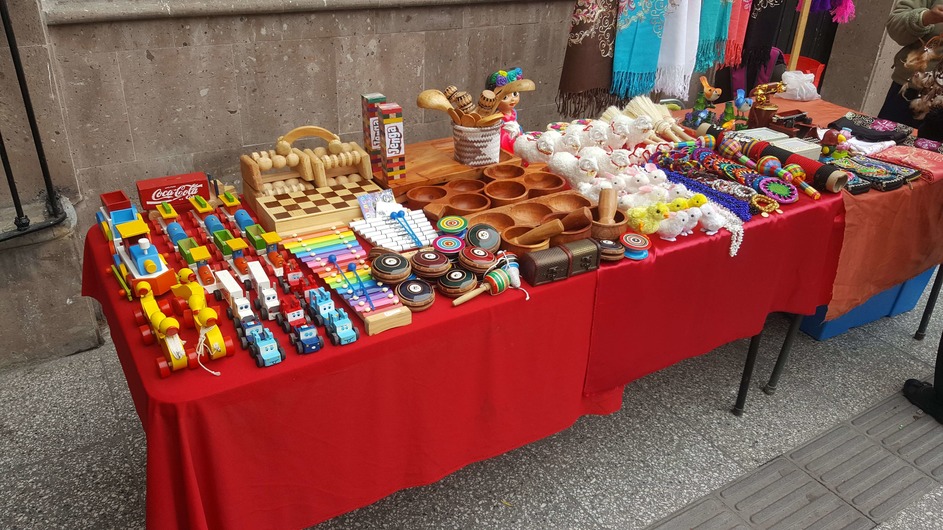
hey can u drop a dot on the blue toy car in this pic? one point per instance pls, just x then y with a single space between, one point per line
306 339
263 347
320 304
339 328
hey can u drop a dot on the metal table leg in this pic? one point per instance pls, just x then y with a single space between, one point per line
747 374
783 358
931 303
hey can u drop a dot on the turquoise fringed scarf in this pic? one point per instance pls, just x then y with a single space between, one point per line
638 39
712 44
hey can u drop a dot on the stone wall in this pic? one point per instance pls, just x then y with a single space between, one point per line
131 89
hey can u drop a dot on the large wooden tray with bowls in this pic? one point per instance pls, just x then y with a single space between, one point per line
433 162
500 185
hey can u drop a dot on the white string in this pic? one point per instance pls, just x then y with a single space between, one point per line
201 350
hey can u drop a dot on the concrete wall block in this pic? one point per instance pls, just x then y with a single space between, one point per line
392 64
45 315
27 23
113 36
210 31
409 19
329 24
502 14
96 115
181 100
538 50
285 84
464 58
121 176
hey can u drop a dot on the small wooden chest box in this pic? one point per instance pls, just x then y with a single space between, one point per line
558 263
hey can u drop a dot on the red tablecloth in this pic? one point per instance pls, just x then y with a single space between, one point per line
690 296
316 436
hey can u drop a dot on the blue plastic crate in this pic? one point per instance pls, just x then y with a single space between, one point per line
894 301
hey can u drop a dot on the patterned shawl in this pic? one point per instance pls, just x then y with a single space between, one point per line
640 25
737 30
712 41
587 66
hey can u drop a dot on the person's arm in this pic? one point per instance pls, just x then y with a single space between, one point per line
911 20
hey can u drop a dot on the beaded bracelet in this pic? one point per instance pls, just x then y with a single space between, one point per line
738 207
765 204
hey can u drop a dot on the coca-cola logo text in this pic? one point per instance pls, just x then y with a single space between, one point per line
184 191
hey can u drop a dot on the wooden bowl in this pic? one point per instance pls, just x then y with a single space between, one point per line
510 233
498 220
467 203
503 171
568 235
504 192
417 198
542 183
609 231
568 202
465 185
529 213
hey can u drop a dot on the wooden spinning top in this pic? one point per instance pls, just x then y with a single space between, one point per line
391 268
457 282
636 245
430 264
417 295
610 250
476 259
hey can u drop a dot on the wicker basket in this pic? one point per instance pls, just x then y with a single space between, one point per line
477 146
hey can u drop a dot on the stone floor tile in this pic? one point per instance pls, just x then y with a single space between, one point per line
510 491
95 486
53 408
925 514
634 467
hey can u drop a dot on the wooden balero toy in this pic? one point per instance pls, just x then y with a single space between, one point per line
295 190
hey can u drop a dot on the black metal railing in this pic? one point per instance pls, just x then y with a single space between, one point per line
55 212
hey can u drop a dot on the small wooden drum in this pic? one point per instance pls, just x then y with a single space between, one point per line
484 236
610 250
391 268
430 264
457 282
476 259
417 295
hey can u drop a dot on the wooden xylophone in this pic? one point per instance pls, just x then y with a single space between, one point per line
335 256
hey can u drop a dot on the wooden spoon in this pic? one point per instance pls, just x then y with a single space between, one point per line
434 100
607 206
455 117
541 233
468 120
488 121
577 220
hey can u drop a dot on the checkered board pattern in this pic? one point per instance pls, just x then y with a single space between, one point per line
302 210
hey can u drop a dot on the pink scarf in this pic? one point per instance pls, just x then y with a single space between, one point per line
739 18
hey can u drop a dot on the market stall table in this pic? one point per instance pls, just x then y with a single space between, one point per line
890 237
320 435
690 296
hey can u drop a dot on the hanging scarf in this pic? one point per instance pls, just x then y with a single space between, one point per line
587 66
764 27
640 25
737 30
712 41
678 52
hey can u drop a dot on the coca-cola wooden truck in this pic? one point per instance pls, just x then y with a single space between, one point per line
175 189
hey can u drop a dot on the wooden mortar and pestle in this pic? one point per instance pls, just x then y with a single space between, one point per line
608 222
576 225
523 239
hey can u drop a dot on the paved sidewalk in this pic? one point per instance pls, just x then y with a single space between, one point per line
72 452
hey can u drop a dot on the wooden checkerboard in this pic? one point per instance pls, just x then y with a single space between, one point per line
300 211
